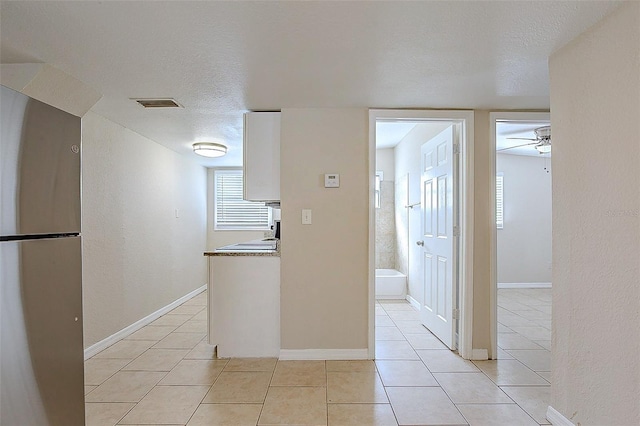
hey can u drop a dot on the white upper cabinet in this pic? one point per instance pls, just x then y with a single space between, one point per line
262 156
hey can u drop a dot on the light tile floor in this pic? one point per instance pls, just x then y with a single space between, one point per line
165 373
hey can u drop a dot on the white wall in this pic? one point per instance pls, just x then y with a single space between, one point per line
407 170
385 162
215 238
524 244
137 256
595 110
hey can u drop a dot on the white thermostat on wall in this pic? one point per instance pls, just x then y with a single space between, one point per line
332 180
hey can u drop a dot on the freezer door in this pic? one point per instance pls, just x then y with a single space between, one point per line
41 347
39 167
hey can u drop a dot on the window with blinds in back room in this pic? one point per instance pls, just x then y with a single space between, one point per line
231 212
500 201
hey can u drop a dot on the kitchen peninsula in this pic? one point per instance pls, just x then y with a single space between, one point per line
244 299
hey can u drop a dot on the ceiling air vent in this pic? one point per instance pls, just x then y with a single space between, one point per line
158 103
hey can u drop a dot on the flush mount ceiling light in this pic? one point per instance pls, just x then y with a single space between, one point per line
209 149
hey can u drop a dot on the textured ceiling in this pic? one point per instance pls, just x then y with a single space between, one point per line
220 59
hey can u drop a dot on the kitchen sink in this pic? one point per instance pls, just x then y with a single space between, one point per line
267 244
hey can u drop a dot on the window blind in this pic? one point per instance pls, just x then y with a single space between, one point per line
377 190
499 201
231 211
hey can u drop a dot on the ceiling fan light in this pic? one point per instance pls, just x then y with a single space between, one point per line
543 132
209 149
543 148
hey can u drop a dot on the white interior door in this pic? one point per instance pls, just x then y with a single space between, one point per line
438 255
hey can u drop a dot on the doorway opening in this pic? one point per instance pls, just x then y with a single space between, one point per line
400 174
521 240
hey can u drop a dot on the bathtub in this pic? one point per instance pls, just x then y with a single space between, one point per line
390 284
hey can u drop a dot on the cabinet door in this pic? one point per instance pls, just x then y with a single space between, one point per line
262 156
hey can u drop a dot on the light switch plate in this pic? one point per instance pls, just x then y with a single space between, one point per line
332 180
306 216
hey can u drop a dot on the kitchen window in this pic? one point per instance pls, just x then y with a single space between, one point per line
231 212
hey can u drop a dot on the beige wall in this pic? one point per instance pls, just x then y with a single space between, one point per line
312 280
524 244
483 226
324 266
595 116
215 238
137 256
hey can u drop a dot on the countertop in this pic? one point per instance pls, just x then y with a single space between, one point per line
266 247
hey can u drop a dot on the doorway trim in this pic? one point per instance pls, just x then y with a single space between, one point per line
494 117
466 213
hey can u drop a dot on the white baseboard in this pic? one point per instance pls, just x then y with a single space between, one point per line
479 354
413 302
105 343
524 285
324 354
390 297
556 418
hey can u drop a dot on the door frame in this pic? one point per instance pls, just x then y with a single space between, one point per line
494 117
465 118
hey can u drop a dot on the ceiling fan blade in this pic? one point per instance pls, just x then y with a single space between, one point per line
524 139
517 146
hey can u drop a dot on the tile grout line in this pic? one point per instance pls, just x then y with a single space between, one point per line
326 391
264 401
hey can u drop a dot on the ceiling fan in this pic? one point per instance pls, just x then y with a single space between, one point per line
542 141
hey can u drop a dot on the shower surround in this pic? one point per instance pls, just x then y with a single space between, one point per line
386 227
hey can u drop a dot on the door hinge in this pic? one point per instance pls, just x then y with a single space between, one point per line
456 313
456 148
456 231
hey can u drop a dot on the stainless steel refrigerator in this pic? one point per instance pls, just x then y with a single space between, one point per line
41 348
